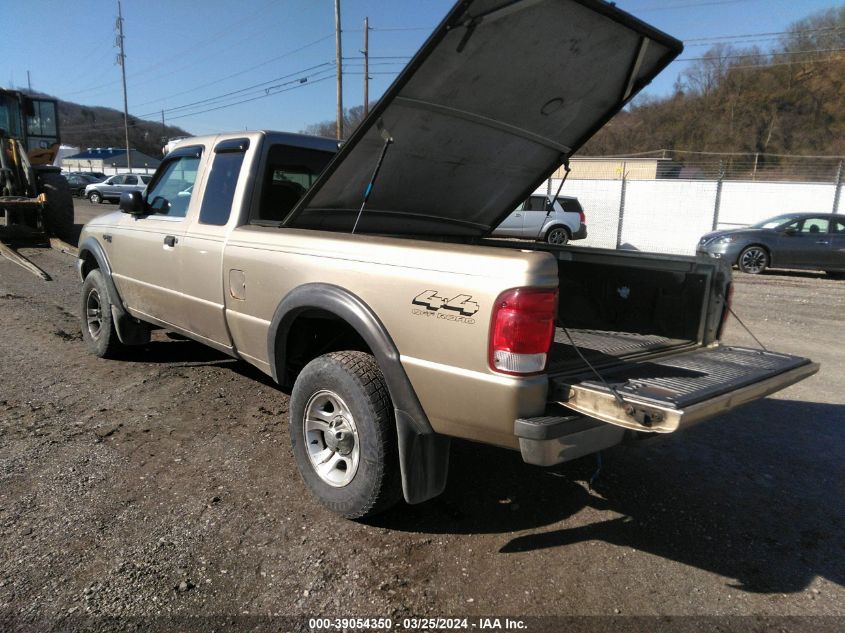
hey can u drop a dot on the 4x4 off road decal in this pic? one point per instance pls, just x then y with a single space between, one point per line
458 308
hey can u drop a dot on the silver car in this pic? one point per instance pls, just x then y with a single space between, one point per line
111 188
533 219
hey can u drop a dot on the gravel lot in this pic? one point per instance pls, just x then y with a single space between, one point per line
163 484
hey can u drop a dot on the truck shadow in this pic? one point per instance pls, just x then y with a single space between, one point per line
187 353
757 496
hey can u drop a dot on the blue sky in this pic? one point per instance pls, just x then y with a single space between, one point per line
182 52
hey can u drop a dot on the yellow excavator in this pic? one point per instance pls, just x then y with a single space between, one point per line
33 193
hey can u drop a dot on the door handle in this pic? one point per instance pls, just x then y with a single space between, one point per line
517 215
822 242
170 240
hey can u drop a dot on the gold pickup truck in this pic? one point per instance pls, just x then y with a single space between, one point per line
362 277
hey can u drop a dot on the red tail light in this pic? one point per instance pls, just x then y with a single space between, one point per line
522 330
583 217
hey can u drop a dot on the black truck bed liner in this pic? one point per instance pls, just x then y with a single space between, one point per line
601 347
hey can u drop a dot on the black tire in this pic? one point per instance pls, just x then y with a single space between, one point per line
95 197
558 235
58 212
753 259
98 329
357 381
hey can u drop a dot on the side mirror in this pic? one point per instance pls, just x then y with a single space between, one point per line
132 202
790 231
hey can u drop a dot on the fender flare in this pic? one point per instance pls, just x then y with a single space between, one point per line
423 454
130 331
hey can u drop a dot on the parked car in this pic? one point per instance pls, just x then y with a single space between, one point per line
814 241
111 188
78 183
533 220
98 176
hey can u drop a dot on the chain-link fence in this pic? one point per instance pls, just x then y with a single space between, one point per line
625 208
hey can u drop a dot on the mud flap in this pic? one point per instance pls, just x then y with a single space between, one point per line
129 330
423 460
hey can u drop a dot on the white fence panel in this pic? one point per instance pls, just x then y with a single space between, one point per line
745 203
600 201
667 216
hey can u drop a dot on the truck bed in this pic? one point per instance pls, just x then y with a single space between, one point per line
602 347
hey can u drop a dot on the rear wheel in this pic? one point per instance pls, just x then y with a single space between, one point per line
58 212
343 434
95 197
753 260
558 235
98 329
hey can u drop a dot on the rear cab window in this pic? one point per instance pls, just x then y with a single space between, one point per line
288 173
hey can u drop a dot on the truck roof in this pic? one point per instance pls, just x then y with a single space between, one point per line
283 138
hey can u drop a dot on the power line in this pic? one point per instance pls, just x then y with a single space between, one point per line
262 85
231 28
747 35
267 91
272 94
690 5
242 72
746 55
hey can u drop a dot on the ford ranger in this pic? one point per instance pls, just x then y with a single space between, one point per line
363 278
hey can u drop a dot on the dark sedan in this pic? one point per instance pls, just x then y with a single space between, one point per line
814 241
78 182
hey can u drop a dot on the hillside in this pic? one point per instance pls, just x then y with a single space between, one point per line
789 101
736 103
94 126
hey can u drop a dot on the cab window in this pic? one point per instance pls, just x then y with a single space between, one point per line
170 192
220 188
289 172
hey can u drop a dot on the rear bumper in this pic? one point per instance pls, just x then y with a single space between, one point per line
581 233
559 436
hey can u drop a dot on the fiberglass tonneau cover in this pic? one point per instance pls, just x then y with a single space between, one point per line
488 108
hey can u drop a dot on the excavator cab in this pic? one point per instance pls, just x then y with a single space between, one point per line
32 120
33 192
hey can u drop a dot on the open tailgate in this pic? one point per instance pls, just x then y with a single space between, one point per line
665 394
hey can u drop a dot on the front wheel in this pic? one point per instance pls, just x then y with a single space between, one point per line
343 434
95 197
558 235
753 260
98 329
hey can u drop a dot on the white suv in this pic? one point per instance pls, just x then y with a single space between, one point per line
112 187
534 220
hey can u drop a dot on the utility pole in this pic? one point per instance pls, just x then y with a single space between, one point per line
121 60
28 81
339 67
366 53
163 128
